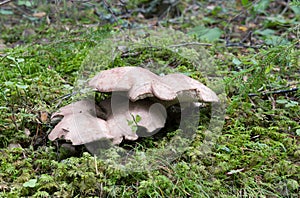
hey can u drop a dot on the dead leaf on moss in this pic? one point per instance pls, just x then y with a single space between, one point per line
39 14
43 116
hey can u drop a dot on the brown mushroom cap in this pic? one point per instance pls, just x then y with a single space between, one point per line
122 114
140 83
80 124
189 89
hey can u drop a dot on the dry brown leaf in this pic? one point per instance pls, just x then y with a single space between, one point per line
44 116
243 28
39 14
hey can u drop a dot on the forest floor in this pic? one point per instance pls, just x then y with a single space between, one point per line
248 54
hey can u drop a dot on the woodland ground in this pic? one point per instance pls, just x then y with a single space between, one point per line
255 46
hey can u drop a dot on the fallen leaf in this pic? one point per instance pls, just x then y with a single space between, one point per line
39 14
243 28
27 132
44 116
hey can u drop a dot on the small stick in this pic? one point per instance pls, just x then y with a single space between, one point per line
191 43
274 92
108 7
5 2
241 45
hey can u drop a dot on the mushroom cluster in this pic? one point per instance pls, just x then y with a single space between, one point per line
137 106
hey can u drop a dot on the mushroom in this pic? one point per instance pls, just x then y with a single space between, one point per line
188 89
81 125
141 112
133 119
140 83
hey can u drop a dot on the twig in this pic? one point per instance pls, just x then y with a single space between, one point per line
287 5
5 2
191 43
248 36
274 92
63 98
128 54
241 44
66 96
108 7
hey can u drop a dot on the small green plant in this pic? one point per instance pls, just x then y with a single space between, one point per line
134 122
